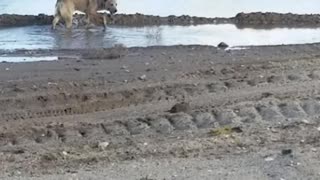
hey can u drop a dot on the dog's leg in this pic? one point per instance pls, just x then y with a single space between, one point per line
55 21
87 20
105 21
68 21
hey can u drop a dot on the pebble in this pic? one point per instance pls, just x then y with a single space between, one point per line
180 107
124 67
223 45
306 121
286 151
64 153
268 159
103 145
143 77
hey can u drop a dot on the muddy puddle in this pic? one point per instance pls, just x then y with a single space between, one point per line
34 37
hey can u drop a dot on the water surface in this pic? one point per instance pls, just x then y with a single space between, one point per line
27 59
33 37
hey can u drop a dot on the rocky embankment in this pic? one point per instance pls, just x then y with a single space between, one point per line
242 20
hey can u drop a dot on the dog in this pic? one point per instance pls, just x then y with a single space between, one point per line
66 8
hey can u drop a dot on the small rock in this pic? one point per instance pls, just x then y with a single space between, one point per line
180 107
237 130
50 83
266 94
64 153
286 151
305 121
103 145
143 77
124 67
318 128
223 45
7 69
268 159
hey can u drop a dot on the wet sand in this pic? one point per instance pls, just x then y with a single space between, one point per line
104 112
175 112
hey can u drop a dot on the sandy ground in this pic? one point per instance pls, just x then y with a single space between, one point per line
179 112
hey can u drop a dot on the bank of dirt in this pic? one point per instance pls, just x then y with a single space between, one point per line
241 20
178 112
270 20
8 20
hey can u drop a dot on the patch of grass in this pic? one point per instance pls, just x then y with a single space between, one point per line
224 131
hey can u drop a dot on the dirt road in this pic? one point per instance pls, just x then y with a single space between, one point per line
180 112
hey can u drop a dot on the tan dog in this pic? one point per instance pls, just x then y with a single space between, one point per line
66 8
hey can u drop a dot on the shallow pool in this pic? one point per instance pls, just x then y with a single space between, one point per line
33 37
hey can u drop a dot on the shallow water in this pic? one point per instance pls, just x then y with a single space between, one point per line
33 37
27 59
207 8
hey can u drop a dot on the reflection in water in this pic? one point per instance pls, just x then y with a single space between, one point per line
80 38
32 37
207 8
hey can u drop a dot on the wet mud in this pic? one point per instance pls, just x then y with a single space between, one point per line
161 104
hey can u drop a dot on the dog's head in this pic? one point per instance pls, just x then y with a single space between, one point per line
111 6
